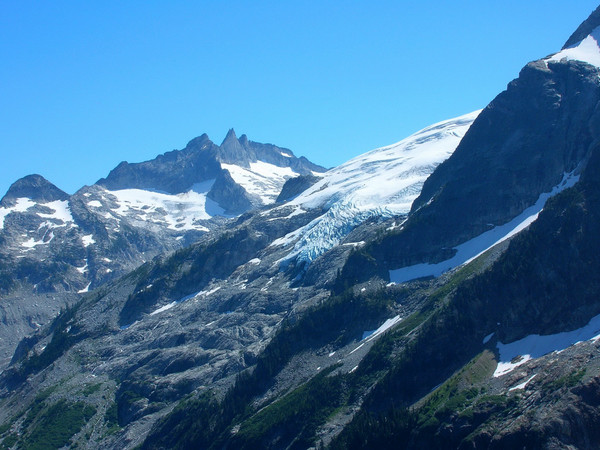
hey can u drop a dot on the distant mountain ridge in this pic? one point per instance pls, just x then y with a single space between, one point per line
201 160
53 244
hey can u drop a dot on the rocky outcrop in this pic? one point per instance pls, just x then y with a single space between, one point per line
544 125
295 186
33 187
173 172
226 192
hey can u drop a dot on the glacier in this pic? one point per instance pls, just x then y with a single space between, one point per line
382 183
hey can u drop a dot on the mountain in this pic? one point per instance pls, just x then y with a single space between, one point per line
441 292
238 174
243 277
54 246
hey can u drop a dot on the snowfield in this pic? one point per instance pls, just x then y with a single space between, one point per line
469 250
534 346
586 50
180 212
381 183
262 180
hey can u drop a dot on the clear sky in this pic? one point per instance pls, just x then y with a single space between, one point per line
87 84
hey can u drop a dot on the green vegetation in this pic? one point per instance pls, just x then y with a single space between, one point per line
568 381
340 319
91 388
294 418
111 418
55 425
47 426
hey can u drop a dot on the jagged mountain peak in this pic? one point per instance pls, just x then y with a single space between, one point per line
585 29
199 143
34 187
230 136
231 151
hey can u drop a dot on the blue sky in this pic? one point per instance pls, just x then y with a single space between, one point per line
85 85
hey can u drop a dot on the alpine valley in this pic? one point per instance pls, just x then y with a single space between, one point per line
440 292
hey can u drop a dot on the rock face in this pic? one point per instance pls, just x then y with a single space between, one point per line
201 160
543 126
295 186
172 172
54 245
34 187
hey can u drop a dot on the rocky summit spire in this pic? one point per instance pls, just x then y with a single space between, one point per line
232 151
34 187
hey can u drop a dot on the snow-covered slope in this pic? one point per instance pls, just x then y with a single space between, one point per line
263 181
381 183
176 212
471 249
587 50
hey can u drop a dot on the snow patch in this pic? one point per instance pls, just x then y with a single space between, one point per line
62 212
522 385
29 244
22 205
95 204
586 50
163 308
262 180
389 323
534 346
469 250
87 240
85 289
180 212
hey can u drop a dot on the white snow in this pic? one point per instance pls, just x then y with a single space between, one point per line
586 50
62 212
23 204
357 348
82 269
163 308
534 346
31 243
95 204
287 155
85 289
209 292
389 323
522 385
469 250
255 261
88 240
381 183
262 179
179 212
183 299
